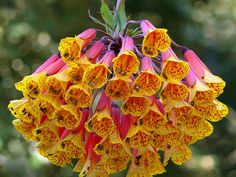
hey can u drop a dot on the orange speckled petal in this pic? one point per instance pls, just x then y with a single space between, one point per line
95 75
117 89
181 154
79 95
147 83
125 64
175 92
67 116
136 105
26 129
174 69
70 49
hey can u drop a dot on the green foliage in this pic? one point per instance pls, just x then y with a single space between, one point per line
121 16
107 15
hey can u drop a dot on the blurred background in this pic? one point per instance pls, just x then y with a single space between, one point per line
31 29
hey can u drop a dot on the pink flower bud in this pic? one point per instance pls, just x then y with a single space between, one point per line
146 26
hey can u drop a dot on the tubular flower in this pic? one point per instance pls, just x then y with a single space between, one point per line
56 84
154 119
126 63
138 137
200 92
117 89
145 164
155 39
70 47
67 116
110 102
173 69
136 105
148 82
73 146
31 86
23 110
213 111
95 75
212 81
25 128
79 95
101 123
45 107
176 91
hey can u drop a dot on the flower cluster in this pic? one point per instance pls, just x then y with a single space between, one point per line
110 101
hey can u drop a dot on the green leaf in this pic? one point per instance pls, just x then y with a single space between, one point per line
134 32
122 15
108 29
107 14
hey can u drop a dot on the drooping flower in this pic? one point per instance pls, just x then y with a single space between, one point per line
71 47
101 122
118 89
212 81
79 95
136 105
155 39
95 75
148 82
173 69
126 63
110 102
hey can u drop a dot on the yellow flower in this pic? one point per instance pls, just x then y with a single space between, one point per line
197 126
213 111
31 86
125 64
55 156
46 133
26 129
73 146
24 110
201 93
119 163
154 119
67 116
138 137
201 71
117 89
75 73
154 39
45 106
101 123
214 82
56 84
113 150
173 69
180 154
146 164
147 82
175 91
153 163
95 75
136 105
179 112
79 95
70 48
